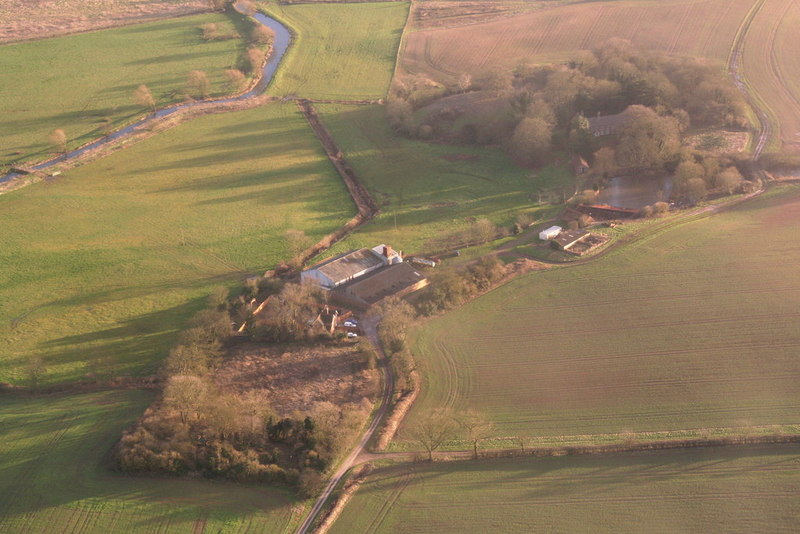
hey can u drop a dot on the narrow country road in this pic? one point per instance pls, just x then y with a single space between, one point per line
370 328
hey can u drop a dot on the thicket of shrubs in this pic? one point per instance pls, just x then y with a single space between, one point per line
196 428
450 288
548 105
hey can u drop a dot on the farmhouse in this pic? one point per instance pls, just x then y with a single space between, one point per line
565 240
550 233
609 124
348 266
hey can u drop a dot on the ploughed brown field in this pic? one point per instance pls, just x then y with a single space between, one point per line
38 19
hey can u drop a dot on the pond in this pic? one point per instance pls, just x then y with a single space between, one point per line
634 192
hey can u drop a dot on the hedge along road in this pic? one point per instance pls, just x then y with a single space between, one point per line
279 47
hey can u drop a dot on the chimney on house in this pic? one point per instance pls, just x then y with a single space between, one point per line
387 251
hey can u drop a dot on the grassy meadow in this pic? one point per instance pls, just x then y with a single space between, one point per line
54 456
695 327
679 491
425 189
78 82
339 51
101 267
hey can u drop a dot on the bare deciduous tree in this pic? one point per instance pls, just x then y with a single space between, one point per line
198 84
255 58
296 241
210 31
186 395
58 138
477 428
235 79
432 431
730 180
262 35
465 82
218 5
395 317
248 7
143 97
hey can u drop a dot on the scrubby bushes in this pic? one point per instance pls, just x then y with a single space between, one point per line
450 288
228 436
197 428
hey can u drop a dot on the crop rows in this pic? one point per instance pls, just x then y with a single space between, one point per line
678 331
771 65
704 28
692 491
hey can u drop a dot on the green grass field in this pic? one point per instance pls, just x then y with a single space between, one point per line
76 82
694 327
106 262
340 51
54 453
683 491
426 189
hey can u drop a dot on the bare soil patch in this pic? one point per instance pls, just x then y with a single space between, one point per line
295 377
22 20
441 14
719 141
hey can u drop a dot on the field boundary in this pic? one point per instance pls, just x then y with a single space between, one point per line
586 450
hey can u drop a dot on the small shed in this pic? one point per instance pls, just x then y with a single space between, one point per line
550 233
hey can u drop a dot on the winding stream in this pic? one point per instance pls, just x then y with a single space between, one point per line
279 47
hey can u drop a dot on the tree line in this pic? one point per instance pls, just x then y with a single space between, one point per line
547 106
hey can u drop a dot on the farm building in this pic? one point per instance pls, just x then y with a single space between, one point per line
398 279
565 240
336 271
609 124
550 233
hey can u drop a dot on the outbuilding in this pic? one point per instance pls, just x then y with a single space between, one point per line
348 266
550 233
565 240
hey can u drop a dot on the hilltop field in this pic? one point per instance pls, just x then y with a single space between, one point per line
695 28
694 327
679 491
25 20
103 265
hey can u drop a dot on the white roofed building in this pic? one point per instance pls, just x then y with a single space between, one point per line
550 233
336 271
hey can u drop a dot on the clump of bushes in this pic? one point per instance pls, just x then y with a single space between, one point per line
450 288
195 428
